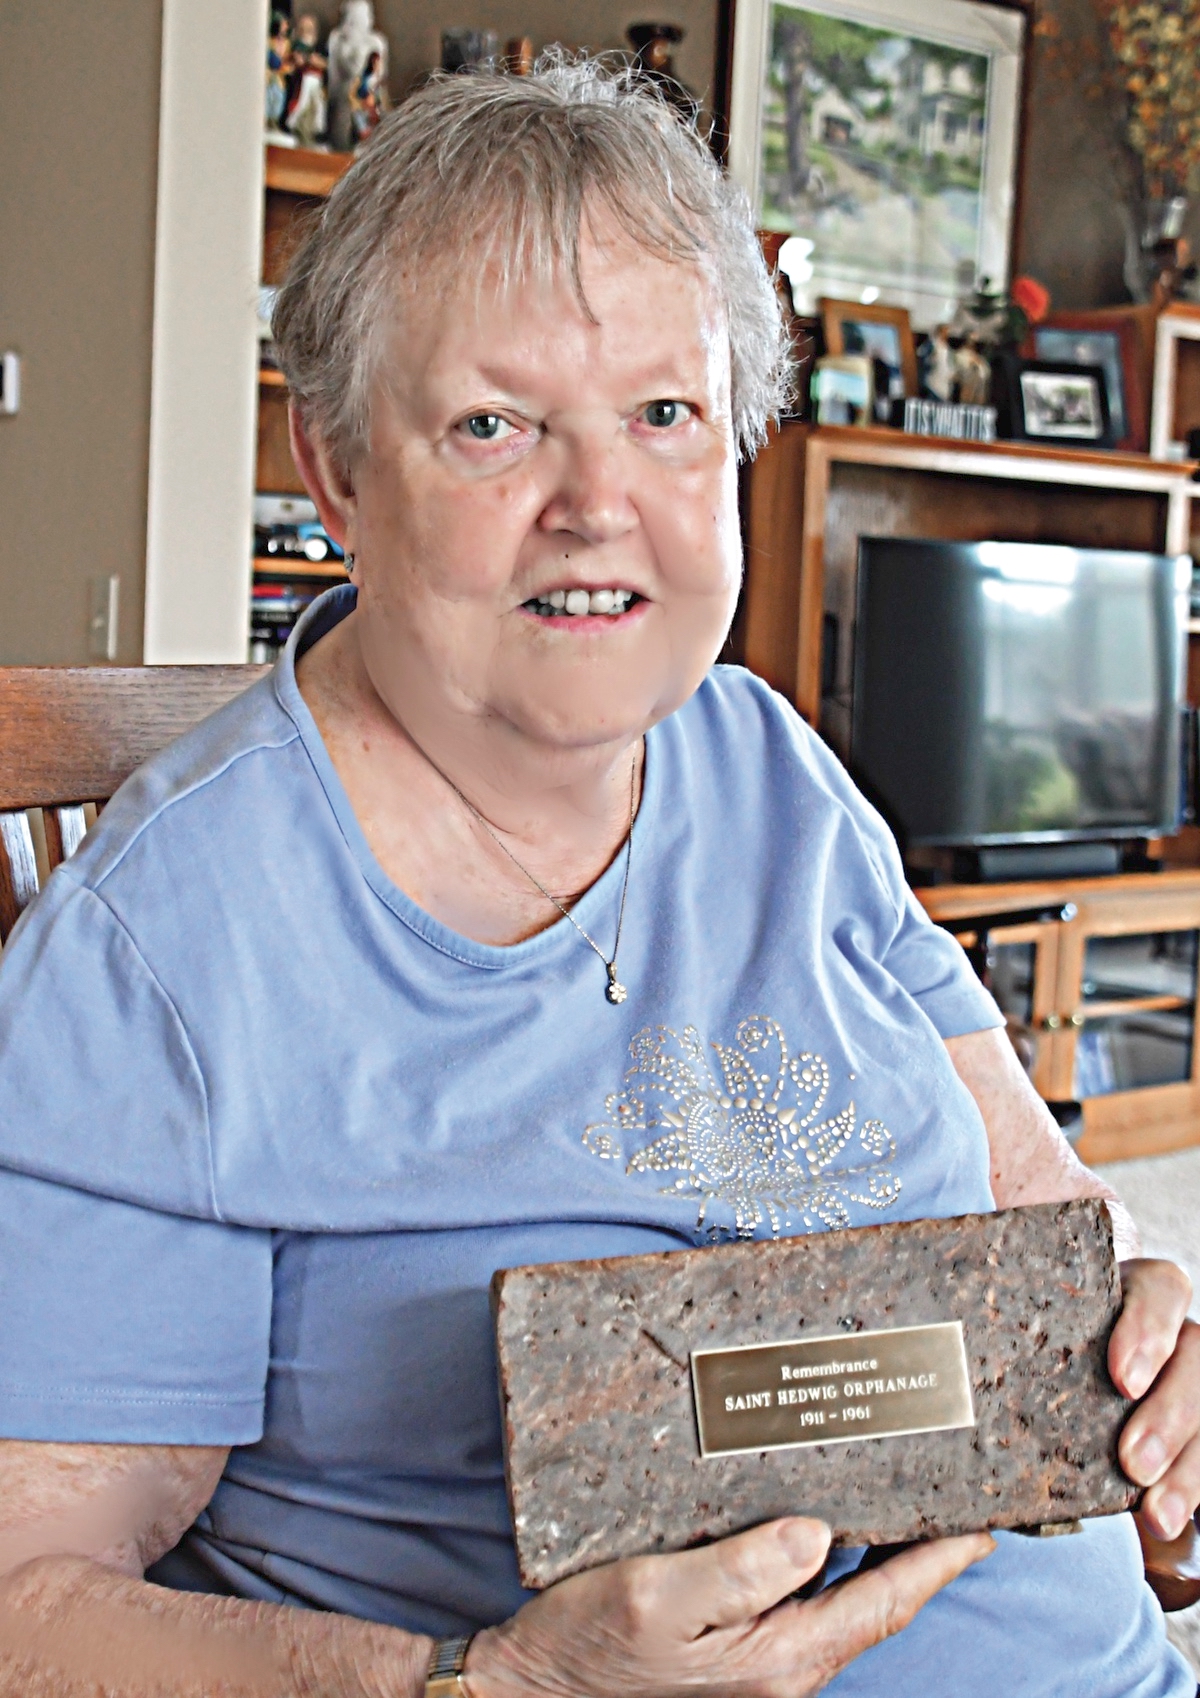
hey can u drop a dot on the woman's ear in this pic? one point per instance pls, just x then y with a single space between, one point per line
330 486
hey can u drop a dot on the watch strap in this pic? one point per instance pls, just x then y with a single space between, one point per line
442 1678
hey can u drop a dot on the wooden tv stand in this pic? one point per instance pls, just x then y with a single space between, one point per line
814 490
809 496
1117 983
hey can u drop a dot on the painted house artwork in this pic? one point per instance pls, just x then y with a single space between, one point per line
873 142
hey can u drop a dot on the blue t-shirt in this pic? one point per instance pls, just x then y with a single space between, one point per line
267 1128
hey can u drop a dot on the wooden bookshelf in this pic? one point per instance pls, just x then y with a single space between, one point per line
307 171
1127 1121
297 180
814 490
267 565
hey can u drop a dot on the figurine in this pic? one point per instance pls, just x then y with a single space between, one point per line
469 49
351 44
279 57
519 56
941 372
654 59
973 372
307 106
1174 270
368 100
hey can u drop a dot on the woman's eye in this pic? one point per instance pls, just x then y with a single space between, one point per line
488 427
663 414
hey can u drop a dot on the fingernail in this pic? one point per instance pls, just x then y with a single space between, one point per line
1171 1514
805 1541
1139 1375
1152 1456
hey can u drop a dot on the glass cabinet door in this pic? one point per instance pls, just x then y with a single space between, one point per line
1136 1013
1023 977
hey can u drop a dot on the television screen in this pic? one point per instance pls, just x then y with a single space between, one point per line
1018 692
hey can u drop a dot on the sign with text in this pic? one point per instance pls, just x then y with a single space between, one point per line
867 1385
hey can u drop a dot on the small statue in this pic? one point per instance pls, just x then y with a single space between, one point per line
469 49
973 372
351 44
519 56
940 373
1174 270
279 63
369 100
307 107
654 59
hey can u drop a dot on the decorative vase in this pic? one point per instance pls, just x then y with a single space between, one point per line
1152 227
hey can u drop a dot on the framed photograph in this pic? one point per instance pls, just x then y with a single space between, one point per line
843 390
882 335
885 133
1057 402
1108 338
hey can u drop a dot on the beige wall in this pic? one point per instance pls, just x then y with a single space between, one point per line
78 128
203 404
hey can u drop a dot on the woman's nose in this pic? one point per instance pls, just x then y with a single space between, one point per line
592 498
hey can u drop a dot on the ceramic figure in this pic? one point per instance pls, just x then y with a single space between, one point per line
307 106
941 373
368 100
468 49
351 45
974 374
654 46
279 60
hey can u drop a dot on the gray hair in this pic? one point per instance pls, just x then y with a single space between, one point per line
506 164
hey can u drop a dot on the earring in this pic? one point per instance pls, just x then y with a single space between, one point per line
349 562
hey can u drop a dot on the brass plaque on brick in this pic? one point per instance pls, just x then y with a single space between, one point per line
867 1385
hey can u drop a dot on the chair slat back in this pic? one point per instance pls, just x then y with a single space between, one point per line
71 735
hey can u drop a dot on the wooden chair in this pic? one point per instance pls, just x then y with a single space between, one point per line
71 735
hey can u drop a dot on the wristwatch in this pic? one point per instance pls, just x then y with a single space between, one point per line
445 1666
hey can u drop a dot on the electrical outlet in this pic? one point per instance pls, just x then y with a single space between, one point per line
10 382
104 595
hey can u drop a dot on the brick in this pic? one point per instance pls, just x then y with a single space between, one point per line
602 1451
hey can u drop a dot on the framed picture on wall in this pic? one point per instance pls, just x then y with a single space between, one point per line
1108 338
885 133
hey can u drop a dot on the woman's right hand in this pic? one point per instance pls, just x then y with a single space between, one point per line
718 1620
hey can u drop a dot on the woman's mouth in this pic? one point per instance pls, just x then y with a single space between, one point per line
578 604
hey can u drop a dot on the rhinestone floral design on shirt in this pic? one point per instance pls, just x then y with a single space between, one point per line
752 1135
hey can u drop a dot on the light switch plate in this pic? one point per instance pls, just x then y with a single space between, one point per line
10 382
104 596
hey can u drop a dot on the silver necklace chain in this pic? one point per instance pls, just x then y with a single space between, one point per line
614 990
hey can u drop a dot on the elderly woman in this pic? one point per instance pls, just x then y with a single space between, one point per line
397 970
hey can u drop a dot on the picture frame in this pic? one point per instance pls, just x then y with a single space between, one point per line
843 390
1111 337
907 198
882 334
1054 402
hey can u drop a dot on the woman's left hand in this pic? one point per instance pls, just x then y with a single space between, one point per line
1154 1354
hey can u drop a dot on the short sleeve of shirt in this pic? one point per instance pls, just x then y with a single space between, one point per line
934 970
129 1311
924 960
124 1325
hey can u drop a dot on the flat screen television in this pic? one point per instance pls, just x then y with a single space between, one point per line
1010 693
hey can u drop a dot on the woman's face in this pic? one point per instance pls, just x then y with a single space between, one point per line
546 520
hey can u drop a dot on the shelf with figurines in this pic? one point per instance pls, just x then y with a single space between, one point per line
1003 368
